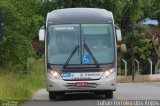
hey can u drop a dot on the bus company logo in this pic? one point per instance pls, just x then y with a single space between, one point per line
81 74
67 74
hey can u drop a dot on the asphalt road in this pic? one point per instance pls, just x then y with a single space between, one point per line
125 91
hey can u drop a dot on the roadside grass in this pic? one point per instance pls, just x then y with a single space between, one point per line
16 86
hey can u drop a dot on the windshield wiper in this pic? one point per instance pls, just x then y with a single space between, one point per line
93 57
74 51
70 56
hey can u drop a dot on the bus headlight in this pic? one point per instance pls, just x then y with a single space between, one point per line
107 73
55 74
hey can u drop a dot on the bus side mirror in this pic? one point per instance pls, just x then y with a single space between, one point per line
42 34
120 46
118 33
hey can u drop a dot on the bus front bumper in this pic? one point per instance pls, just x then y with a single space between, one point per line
61 85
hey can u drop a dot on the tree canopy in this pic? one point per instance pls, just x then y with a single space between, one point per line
23 18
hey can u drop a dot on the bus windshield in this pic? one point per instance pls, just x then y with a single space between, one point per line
94 41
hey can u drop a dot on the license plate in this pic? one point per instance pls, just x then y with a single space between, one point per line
81 83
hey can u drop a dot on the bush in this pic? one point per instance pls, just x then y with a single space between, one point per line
143 47
15 51
17 86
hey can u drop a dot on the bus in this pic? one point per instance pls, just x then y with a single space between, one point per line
80 51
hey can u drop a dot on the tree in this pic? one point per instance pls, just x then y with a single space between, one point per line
112 5
156 43
131 13
151 8
21 24
1 27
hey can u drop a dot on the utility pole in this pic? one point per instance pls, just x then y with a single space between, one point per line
132 43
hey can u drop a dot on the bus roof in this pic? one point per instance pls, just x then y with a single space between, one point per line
79 15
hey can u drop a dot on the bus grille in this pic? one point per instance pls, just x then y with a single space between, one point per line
73 86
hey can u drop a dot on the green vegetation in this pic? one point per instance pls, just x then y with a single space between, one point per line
16 86
21 25
22 19
21 74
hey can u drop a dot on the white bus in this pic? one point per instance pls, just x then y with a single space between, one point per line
80 51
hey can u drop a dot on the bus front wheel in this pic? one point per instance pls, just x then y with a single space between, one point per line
52 96
109 94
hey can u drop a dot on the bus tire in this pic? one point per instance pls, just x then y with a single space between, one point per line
109 94
52 95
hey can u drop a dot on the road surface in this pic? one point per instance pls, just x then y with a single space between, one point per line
125 91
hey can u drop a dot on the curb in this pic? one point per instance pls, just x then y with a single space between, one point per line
139 78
